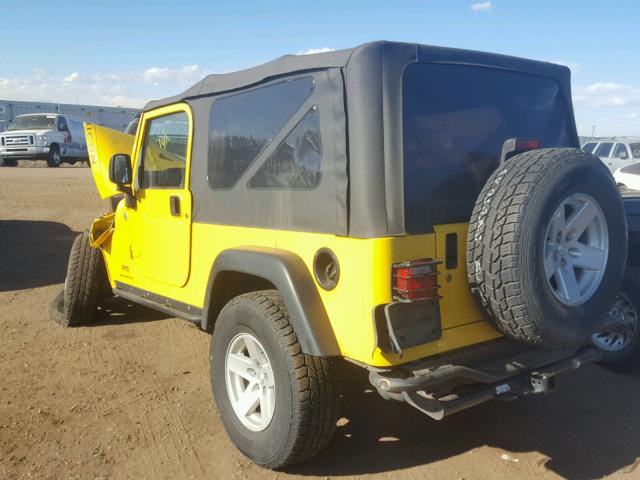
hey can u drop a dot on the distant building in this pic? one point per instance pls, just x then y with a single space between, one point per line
112 117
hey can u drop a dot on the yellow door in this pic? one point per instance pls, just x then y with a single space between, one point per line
160 220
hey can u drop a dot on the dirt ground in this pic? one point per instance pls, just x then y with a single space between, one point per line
129 397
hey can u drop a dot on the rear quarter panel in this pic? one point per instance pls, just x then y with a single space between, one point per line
365 282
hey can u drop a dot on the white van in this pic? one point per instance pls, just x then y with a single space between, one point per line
44 136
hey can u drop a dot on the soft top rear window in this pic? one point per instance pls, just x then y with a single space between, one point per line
455 120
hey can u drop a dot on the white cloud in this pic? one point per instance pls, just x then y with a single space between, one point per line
186 74
606 95
125 89
612 107
71 78
311 51
38 72
482 7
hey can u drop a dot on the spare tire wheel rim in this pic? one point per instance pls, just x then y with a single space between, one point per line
250 382
625 319
576 249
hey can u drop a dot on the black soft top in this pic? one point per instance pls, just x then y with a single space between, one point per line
359 94
356 57
225 82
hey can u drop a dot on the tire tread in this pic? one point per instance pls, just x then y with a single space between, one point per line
316 410
494 239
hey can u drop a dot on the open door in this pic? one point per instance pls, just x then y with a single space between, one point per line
160 222
102 144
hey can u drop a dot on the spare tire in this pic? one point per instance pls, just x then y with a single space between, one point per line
547 246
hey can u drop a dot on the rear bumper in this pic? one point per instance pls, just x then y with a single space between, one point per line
501 369
26 152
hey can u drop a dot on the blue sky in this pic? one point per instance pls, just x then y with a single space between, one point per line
127 52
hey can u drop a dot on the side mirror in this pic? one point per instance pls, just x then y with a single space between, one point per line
120 170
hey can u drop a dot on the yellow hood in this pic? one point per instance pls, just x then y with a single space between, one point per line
102 144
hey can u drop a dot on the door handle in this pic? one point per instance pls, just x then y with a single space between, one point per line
174 205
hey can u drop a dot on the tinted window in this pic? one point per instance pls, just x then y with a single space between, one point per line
456 119
635 150
621 151
164 152
588 147
242 125
297 162
604 149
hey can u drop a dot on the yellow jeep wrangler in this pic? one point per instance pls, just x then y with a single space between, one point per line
421 212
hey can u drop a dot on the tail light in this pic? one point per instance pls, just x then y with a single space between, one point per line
415 281
515 146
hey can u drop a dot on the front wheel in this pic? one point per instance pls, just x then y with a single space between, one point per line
8 162
619 340
279 406
54 159
85 287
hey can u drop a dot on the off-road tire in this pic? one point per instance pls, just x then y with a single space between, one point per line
307 400
54 160
8 162
507 234
85 285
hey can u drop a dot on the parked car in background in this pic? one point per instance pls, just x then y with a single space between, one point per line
619 338
616 152
44 136
628 178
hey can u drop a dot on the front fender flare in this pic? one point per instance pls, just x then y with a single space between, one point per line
291 277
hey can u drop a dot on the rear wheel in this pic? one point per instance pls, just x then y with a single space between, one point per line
54 159
279 406
8 162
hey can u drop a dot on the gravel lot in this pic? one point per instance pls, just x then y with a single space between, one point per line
129 397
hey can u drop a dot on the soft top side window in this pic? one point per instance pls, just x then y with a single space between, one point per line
242 125
297 162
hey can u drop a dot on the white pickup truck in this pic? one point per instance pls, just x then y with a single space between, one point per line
44 136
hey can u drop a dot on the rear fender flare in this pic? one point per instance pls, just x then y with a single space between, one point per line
291 277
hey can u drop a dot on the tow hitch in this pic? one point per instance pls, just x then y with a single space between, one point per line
447 389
